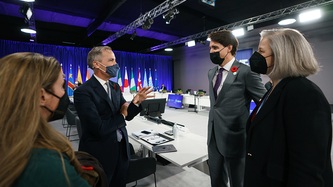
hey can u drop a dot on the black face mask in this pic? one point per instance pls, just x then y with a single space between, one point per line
60 111
258 63
215 57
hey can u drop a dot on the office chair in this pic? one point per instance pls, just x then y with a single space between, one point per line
70 116
78 126
140 167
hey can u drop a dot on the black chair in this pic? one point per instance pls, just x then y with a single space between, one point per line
140 167
78 126
70 117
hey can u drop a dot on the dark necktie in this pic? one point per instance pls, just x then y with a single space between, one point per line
108 89
119 134
218 81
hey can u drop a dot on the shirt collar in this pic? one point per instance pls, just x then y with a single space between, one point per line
228 65
101 81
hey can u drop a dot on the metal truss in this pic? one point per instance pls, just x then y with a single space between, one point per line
160 9
250 21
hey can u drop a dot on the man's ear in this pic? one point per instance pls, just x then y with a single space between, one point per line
230 48
95 64
42 97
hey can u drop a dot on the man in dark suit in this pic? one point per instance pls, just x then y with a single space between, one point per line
163 88
232 85
103 110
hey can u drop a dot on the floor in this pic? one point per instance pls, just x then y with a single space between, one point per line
171 175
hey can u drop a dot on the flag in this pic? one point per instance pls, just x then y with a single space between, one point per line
120 82
133 86
126 87
156 81
70 80
145 82
150 83
87 74
139 81
79 77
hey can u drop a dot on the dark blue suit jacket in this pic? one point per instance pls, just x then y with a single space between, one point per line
100 118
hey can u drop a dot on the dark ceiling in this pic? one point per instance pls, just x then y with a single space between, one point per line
86 23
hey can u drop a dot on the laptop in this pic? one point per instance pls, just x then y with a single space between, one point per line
164 148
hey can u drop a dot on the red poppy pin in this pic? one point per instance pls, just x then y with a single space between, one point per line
114 86
234 70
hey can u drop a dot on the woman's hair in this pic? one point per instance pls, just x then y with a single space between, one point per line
292 53
22 128
95 53
225 38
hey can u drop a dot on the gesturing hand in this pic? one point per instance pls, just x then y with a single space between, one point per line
142 95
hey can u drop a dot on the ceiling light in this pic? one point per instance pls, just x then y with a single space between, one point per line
190 43
287 21
28 30
309 15
168 49
29 1
238 32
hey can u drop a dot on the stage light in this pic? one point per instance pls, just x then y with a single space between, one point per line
190 43
25 10
133 35
147 23
170 15
209 2
168 49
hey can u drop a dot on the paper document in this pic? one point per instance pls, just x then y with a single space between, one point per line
156 139
143 133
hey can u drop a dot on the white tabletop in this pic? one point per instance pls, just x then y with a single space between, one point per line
191 148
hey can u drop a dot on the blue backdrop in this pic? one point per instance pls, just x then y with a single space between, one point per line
161 66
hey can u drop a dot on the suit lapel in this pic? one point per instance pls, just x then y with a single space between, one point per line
211 75
228 81
270 103
99 89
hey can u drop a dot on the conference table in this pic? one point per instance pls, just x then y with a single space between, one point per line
191 148
199 101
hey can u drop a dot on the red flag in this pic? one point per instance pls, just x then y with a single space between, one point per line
126 85
139 81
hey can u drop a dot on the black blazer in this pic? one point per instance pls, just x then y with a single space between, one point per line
289 139
100 118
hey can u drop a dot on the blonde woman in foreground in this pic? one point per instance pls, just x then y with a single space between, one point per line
32 152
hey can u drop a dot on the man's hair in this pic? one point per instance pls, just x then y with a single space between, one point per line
292 53
95 53
225 38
